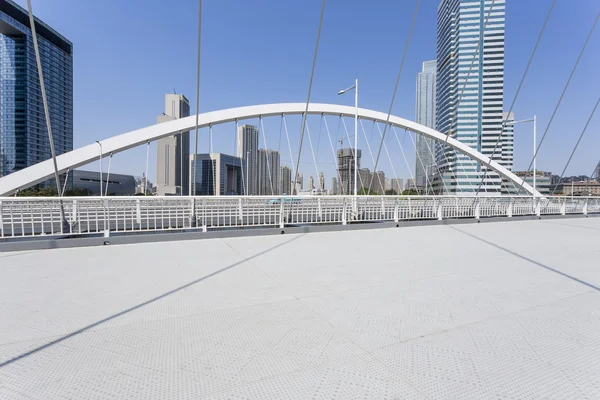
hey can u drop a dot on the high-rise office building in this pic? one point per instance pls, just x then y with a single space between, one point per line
364 178
298 184
410 184
173 152
321 181
23 132
285 179
217 174
378 185
311 183
247 150
268 172
345 162
425 115
477 120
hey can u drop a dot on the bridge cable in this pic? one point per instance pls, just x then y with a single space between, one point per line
312 150
287 135
65 184
244 190
386 152
517 95
46 111
437 167
561 97
420 161
351 176
576 145
312 74
333 154
147 156
193 192
108 175
381 184
213 165
404 156
412 25
267 155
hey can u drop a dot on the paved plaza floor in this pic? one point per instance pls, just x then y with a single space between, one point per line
503 310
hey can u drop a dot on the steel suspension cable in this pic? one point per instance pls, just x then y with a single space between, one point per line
288 139
46 111
108 175
437 167
312 151
387 121
386 151
244 191
420 160
517 94
404 156
372 159
193 192
312 74
577 144
561 96
350 177
332 152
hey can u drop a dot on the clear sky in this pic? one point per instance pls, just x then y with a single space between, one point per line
128 54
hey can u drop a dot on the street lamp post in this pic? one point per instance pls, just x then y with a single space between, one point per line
355 86
100 144
534 120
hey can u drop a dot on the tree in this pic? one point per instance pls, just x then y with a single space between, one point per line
391 192
367 192
410 192
78 192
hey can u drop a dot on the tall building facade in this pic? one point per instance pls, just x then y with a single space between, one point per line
247 150
311 183
477 120
334 186
397 185
217 174
425 115
378 185
23 132
321 181
506 145
285 179
345 163
298 184
173 152
268 172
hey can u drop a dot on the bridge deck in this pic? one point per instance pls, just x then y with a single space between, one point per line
496 310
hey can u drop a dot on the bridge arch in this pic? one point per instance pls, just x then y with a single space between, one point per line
45 170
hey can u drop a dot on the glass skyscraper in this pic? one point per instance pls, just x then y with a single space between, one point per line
23 132
477 119
425 115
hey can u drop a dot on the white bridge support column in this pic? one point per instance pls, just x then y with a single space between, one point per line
440 210
509 211
281 214
344 212
138 213
563 206
585 206
538 207
396 216
477 208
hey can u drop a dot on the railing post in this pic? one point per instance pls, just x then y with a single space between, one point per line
320 209
396 216
204 222
440 215
477 209
344 217
382 208
538 207
281 216
193 221
240 210
509 211
106 218
585 206
138 213
74 217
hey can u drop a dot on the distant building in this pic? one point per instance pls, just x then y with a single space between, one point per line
410 184
112 184
388 184
285 179
334 187
425 115
397 185
364 177
23 132
311 183
345 164
378 185
217 174
143 185
586 188
543 183
173 152
268 172
298 185
596 174
321 181
247 151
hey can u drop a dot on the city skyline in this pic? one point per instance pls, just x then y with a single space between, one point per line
515 63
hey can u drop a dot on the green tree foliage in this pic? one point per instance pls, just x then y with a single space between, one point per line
367 192
391 192
410 192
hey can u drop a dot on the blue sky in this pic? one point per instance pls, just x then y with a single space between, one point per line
128 54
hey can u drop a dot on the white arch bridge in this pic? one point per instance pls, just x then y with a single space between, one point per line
84 155
35 216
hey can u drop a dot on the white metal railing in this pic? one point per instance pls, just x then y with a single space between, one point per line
40 216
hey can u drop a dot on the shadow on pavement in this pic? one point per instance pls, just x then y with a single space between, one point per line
138 306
